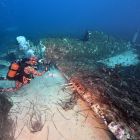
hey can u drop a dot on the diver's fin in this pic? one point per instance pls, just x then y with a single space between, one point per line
135 36
3 78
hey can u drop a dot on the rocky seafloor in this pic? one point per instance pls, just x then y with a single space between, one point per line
112 91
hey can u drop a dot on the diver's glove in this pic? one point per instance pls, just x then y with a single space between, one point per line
41 61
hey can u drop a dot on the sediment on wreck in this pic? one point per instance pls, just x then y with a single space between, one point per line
110 101
106 90
6 124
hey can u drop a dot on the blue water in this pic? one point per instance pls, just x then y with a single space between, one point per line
41 18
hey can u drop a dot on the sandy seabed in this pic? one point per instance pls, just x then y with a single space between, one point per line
38 114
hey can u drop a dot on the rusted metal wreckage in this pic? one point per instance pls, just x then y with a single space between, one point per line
110 118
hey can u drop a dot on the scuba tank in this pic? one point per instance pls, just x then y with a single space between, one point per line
16 69
13 70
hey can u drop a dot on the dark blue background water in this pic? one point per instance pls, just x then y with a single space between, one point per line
40 18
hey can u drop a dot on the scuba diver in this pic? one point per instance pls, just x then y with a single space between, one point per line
22 71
